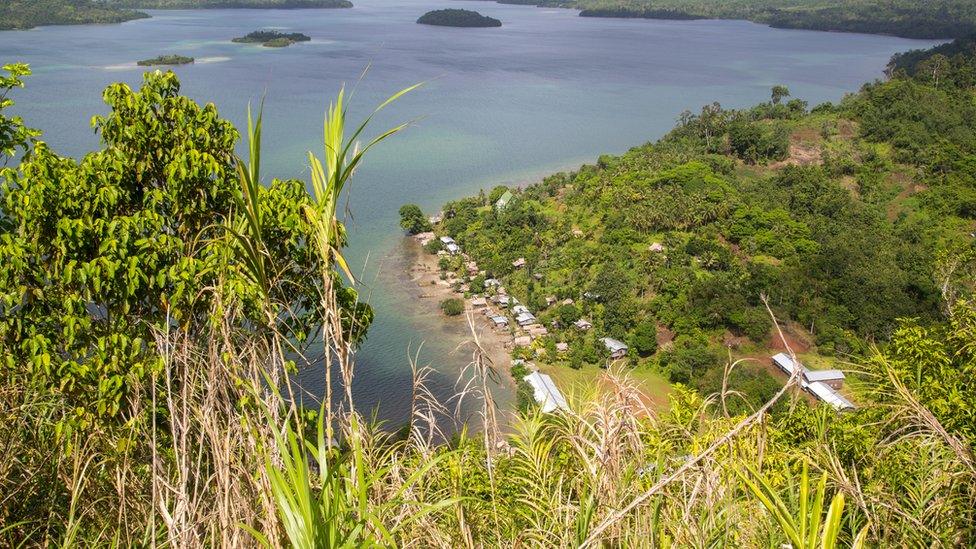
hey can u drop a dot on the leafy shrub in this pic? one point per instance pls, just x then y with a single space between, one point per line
452 306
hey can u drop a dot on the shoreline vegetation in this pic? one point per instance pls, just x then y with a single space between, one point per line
166 60
903 18
272 38
27 14
458 18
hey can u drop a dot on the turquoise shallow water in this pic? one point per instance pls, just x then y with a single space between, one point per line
547 91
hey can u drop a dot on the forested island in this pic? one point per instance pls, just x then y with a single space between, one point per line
906 18
457 18
26 14
159 293
272 38
166 60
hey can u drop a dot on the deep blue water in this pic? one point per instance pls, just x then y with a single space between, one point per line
547 91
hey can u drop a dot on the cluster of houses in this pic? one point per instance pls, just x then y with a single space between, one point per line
822 384
529 327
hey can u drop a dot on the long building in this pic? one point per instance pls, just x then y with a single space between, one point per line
822 384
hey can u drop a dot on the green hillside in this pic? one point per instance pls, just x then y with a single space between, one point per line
845 217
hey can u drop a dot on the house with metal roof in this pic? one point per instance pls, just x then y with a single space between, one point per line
583 324
524 319
825 393
617 348
545 392
499 321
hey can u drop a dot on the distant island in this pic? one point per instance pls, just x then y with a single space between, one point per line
165 60
27 14
272 39
458 18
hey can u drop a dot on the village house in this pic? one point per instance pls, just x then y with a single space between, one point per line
537 330
435 219
545 392
492 283
656 247
499 321
519 309
617 348
472 268
502 300
524 319
503 201
519 263
452 248
831 378
550 300
479 303
562 347
583 324
522 341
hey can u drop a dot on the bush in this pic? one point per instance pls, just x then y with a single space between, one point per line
644 341
452 306
413 220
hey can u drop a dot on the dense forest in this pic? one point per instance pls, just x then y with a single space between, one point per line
157 294
272 38
907 18
457 18
26 14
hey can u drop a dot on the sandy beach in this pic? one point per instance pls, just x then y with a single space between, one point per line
424 278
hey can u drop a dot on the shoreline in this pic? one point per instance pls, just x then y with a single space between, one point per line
423 276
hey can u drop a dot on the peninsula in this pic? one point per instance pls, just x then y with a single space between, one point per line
458 18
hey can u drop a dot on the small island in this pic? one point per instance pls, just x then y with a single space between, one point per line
458 18
272 39
165 60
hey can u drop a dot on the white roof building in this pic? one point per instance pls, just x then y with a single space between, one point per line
452 248
617 348
814 376
524 319
447 240
546 393
499 321
583 324
519 309
785 363
824 393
